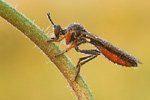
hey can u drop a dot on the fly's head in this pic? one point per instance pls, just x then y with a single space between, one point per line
58 31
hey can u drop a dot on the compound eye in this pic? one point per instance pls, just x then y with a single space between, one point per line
57 31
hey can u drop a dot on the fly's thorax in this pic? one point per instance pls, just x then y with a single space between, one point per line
75 26
75 32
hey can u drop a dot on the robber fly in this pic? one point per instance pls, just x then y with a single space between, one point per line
76 34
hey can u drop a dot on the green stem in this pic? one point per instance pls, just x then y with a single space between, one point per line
36 35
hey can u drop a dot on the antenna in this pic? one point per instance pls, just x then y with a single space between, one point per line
48 15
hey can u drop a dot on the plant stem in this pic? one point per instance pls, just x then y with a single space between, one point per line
37 36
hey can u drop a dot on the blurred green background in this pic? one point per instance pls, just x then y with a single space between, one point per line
27 74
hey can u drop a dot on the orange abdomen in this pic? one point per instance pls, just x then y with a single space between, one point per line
114 58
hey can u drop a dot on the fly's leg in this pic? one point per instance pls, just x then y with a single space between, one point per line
71 46
89 51
54 39
81 63
93 54
81 59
